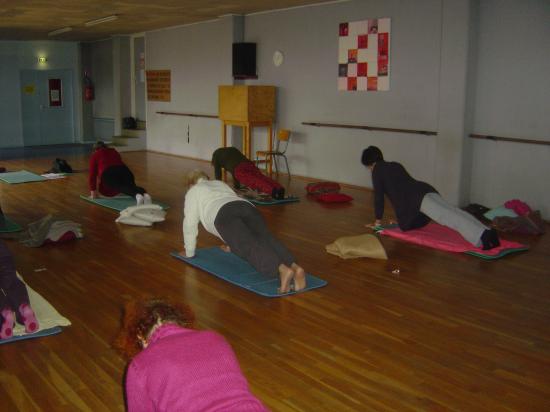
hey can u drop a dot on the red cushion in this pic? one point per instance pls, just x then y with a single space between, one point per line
322 187
333 198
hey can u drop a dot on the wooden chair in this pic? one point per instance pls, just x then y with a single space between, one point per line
283 137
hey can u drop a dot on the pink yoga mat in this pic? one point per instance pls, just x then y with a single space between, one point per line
443 238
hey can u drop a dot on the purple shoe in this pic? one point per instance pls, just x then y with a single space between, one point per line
8 320
29 318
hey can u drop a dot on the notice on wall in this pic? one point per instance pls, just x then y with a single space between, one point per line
158 85
54 94
29 89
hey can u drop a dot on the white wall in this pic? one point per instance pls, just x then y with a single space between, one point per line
457 66
199 57
513 100
102 78
307 86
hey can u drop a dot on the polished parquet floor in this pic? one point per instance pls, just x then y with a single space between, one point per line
448 333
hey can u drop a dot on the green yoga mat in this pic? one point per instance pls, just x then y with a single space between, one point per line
22 176
233 269
270 201
119 202
9 226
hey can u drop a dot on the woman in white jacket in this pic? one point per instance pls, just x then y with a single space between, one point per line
240 226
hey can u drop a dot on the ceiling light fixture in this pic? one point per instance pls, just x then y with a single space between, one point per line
59 31
101 20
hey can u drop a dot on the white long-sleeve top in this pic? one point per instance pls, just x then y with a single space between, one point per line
202 204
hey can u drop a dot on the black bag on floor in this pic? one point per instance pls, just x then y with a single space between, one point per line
61 166
129 123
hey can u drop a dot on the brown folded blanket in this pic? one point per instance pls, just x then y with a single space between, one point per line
350 247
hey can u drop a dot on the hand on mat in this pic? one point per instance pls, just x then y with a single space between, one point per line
225 248
93 194
377 223
184 254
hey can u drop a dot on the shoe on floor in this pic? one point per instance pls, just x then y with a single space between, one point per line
489 239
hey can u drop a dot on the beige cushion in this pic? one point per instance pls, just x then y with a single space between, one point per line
351 247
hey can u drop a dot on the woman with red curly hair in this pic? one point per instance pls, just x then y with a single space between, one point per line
176 368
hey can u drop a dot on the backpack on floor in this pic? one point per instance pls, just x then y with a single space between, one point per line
61 166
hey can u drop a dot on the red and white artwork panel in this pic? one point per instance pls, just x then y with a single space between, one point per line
364 55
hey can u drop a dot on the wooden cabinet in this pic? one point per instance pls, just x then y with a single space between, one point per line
247 107
247 103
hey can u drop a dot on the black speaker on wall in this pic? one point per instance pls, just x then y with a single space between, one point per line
244 61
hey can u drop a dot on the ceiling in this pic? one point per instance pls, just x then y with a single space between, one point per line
34 19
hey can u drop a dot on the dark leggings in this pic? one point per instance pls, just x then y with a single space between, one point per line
121 179
243 228
13 292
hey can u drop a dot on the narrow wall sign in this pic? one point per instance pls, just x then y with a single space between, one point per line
54 93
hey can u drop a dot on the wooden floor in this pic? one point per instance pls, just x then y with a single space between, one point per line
450 332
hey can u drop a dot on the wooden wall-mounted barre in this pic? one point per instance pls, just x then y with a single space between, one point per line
209 116
509 139
364 127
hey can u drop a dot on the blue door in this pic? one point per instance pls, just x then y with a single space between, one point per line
47 107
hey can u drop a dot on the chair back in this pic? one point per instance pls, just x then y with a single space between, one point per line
283 136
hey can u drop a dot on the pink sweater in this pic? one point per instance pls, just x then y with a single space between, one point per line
188 370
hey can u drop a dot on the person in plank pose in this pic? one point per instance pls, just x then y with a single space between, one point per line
14 298
416 202
240 226
174 367
244 172
114 176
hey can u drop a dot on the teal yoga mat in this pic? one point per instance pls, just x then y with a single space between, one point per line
22 176
45 332
271 201
119 202
9 226
233 269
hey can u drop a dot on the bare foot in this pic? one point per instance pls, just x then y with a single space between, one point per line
299 277
286 275
225 248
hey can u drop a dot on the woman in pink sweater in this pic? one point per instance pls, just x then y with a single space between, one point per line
176 368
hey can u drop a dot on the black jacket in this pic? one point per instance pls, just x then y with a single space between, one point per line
405 194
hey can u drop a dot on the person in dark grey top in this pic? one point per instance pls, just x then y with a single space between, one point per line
416 202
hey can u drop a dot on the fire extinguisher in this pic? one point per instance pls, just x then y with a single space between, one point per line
88 88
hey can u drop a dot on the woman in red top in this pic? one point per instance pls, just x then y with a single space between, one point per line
114 176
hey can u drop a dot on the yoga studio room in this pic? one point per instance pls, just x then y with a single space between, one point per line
276 205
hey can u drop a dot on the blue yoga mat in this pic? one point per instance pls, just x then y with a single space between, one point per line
271 201
9 226
230 267
22 176
45 332
119 202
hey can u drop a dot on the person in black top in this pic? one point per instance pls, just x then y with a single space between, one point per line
416 202
244 172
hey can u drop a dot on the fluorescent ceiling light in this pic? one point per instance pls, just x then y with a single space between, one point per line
59 31
101 20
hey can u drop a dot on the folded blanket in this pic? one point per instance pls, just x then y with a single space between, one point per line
50 229
48 317
142 215
351 247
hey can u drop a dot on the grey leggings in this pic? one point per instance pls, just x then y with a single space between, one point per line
243 228
439 210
